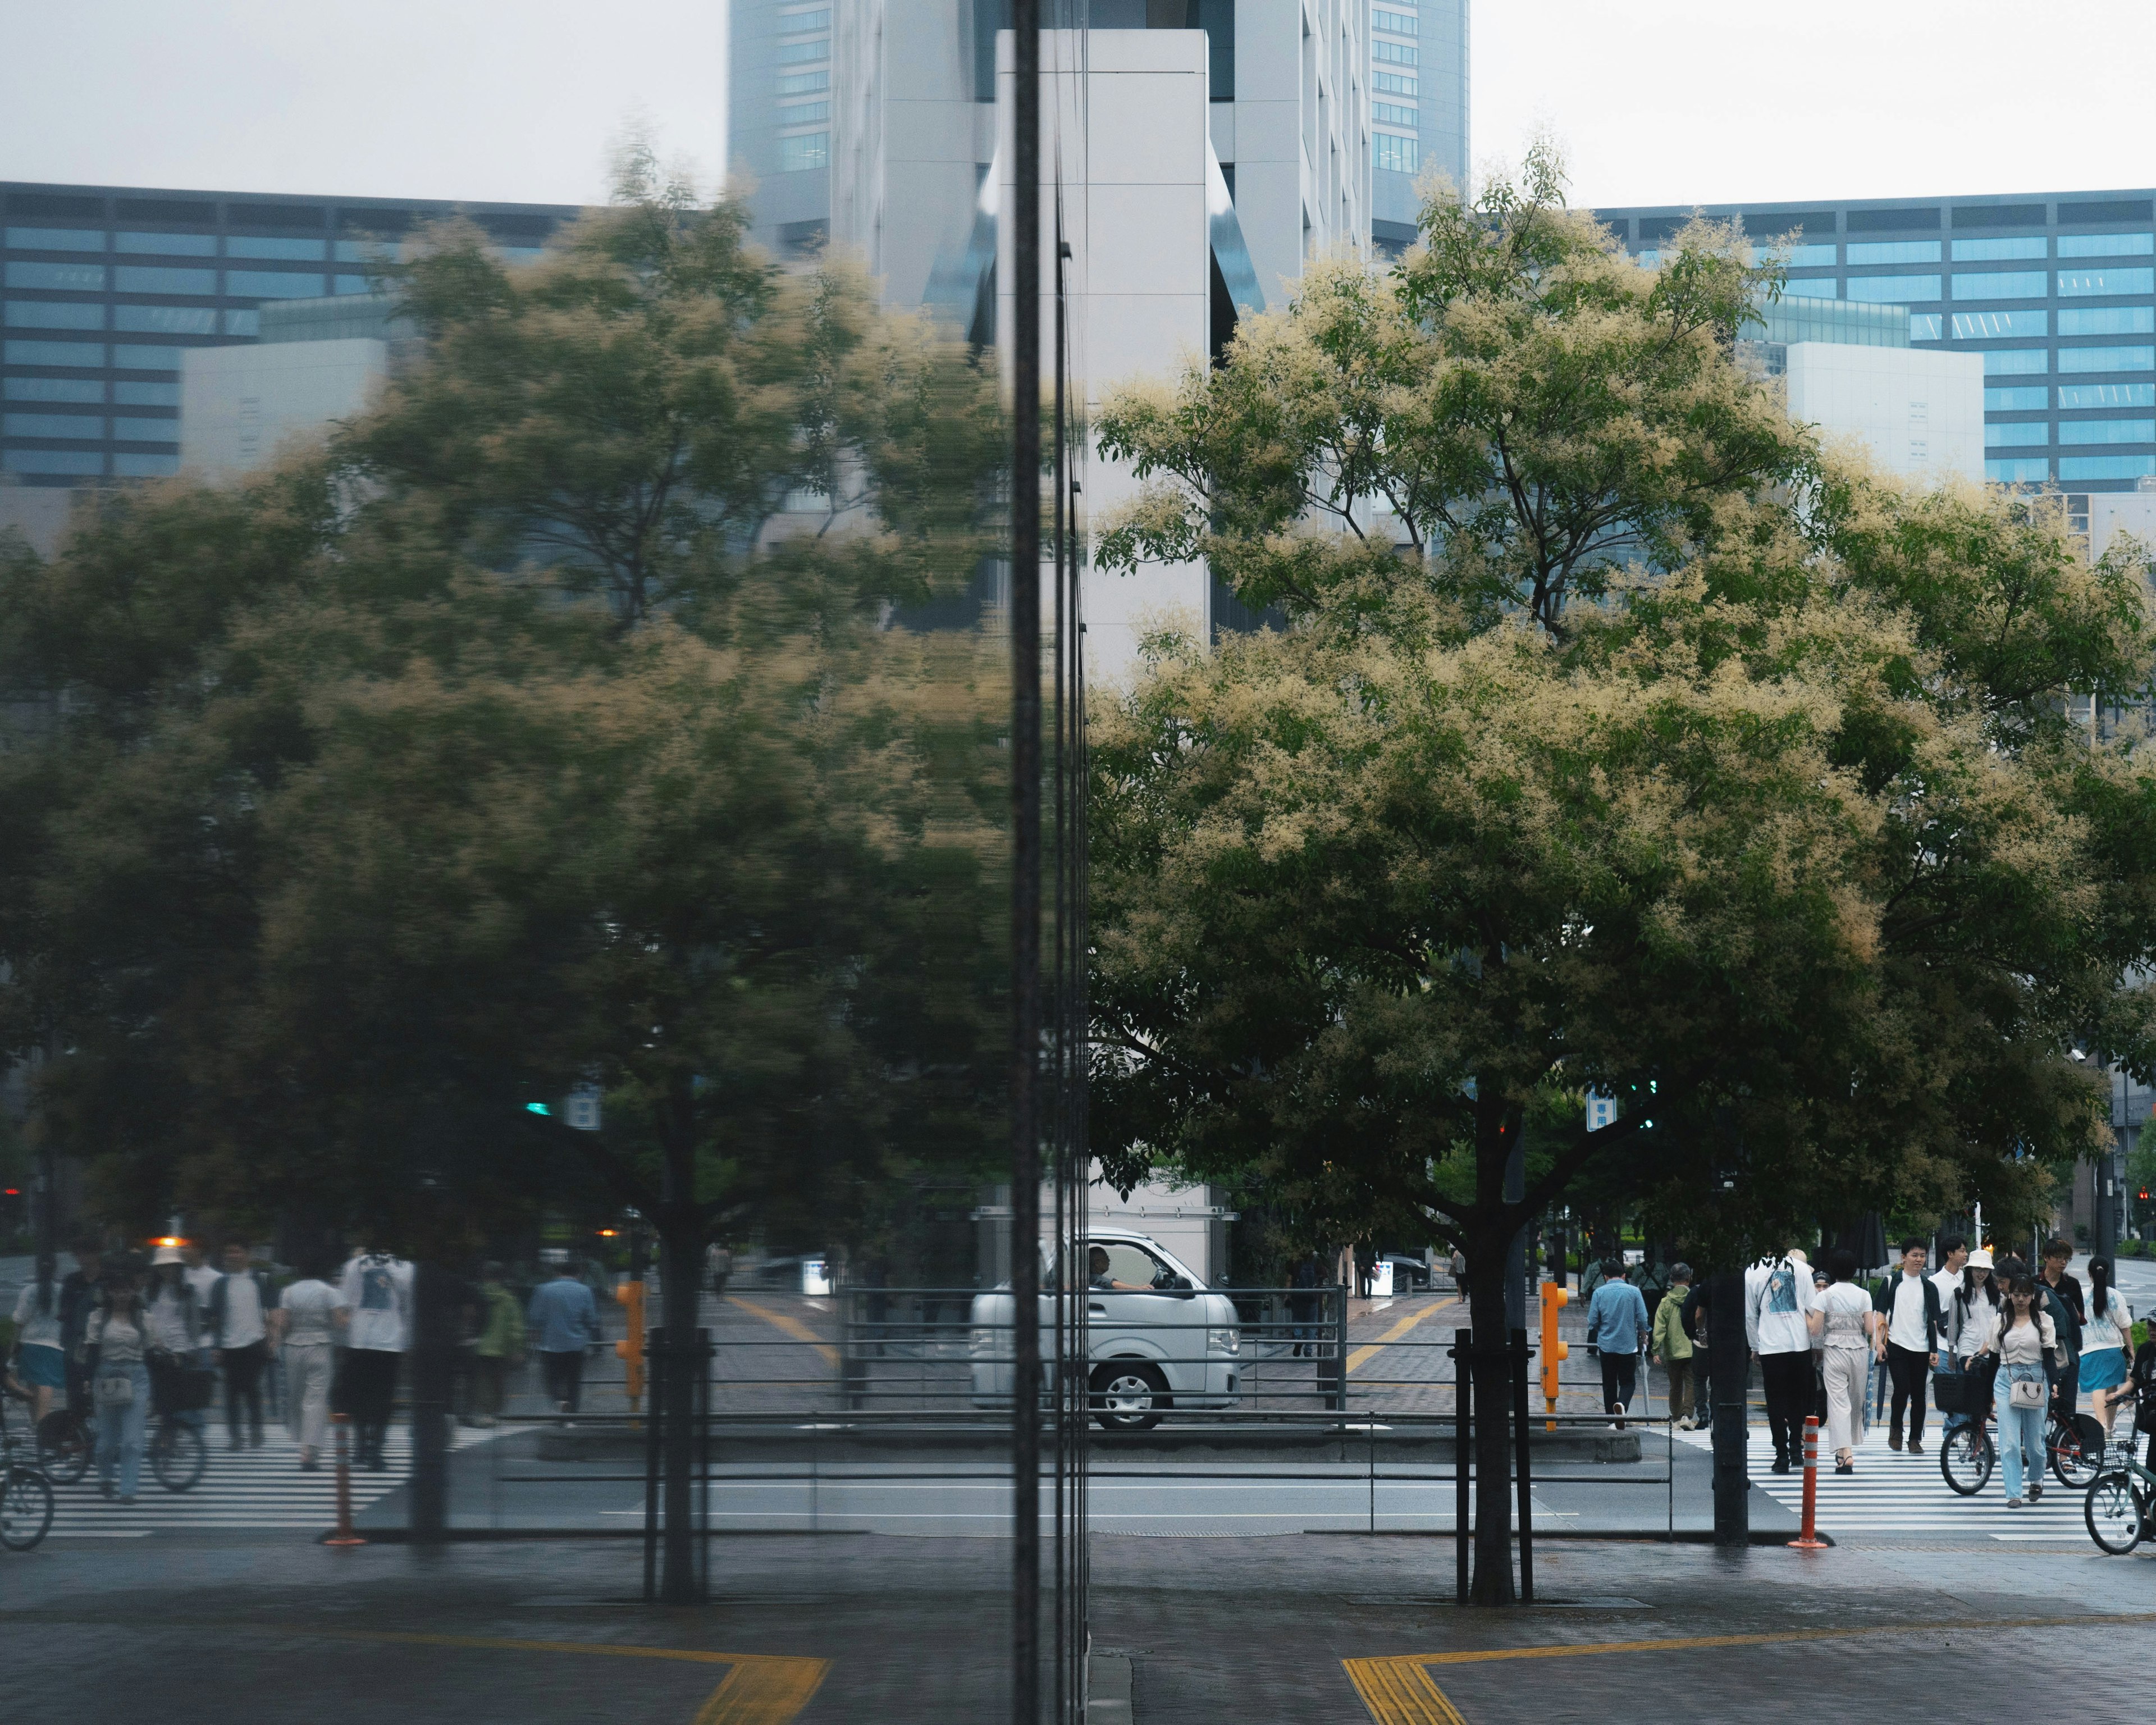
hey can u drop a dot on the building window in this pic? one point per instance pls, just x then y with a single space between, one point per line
2107 431
1400 24
812 149
55 315
165 320
351 284
168 245
1892 290
89 428
71 389
80 462
2087 245
2107 359
795 54
243 323
1924 326
2018 473
1387 114
1982 325
146 431
2105 395
241 246
130 465
2106 467
807 114
1813 256
1395 53
1812 287
2013 362
1985 251
1392 84
2028 399
801 83
1893 251
2075 283
797 23
2108 321
2025 434
146 395
55 239
65 278
158 279
80 354
146 358
270 284
1394 155
2003 285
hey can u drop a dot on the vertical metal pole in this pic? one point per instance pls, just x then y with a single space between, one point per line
1731 1371
1339 1397
1520 1444
1025 862
1064 1289
1463 1394
655 1402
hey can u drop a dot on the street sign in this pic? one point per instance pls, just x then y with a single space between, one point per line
581 1112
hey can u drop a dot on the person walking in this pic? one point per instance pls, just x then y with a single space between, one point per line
564 1320
1778 1303
119 1337
1820 1283
175 1329
1669 1346
2061 1295
40 1355
377 1287
499 1346
239 1308
1913 1320
1617 1325
82 1291
2107 1343
1971 1314
2021 1337
303 1326
1850 1332
1302 1303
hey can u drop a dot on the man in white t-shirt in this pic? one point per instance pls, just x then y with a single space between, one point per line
377 1287
1777 1302
239 1308
1954 1251
1909 1305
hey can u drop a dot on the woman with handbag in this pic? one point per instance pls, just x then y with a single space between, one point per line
2022 1337
119 1332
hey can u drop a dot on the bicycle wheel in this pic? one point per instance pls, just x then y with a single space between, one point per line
1966 1458
178 1455
2117 1513
64 1447
26 1508
2077 1447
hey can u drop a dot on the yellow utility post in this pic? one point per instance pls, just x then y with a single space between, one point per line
630 1347
1555 1299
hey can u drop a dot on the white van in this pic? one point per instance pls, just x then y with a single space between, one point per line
1156 1337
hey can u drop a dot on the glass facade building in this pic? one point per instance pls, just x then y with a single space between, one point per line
102 289
2057 291
1418 108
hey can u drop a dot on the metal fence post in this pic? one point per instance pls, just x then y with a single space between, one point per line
1339 1397
1520 1442
1463 1342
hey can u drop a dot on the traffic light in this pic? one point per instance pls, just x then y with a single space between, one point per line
1555 1299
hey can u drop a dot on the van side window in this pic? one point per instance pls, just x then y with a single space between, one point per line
1132 1266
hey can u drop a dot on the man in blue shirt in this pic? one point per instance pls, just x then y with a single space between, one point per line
563 1319
1617 1324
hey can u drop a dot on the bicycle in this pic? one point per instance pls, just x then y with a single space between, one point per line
26 1494
67 1441
2117 1509
2073 1446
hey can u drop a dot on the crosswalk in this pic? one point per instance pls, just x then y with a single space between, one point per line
240 1489
1895 1493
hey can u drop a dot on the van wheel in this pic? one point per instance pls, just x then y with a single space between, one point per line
1128 1395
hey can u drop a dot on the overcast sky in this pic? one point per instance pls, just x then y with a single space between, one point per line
1656 100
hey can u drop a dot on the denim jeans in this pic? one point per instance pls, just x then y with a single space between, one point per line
120 1430
2020 1430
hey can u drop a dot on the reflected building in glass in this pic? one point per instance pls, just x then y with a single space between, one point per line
1418 108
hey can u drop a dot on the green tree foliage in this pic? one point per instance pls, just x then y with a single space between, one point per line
1618 743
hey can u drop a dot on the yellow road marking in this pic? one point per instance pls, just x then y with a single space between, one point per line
1399 1691
791 1325
1362 1355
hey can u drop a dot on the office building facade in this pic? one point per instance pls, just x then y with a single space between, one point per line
2055 291
779 116
1418 108
104 290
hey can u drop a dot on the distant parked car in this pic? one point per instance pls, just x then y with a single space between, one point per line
1410 1275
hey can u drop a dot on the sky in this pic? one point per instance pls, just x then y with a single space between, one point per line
1656 101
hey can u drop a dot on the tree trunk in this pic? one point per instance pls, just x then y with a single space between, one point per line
679 1362
1487 1254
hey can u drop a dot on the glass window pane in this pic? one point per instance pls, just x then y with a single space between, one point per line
2028 399
810 150
2107 431
68 461
816 113
1812 287
1804 257
2011 361
145 358
1984 250
55 239
155 279
165 320
1893 251
2021 472
243 323
83 389
1395 53
1400 24
366 251
2106 245
130 465
1924 326
2024 435
2003 285
794 52
1393 83
353 284
146 395
56 353
2103 467
169 245
794 23
801 83
2108 321
271 285
146 431
2107 359
68 278
1892 290
2108 395
86 427
243 245
1394 155
2075 282
55 315
1978 326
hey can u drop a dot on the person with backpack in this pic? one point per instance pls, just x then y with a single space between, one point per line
2024 1341
1777 1302
2107 1343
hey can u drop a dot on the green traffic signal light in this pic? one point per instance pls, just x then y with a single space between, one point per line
537 1108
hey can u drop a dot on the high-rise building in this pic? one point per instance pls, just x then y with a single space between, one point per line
1418 108
104 289
2056 290
778 116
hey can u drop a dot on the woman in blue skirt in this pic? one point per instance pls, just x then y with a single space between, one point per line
2106 1342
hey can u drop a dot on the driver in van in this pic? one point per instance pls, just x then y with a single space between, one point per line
1096 1268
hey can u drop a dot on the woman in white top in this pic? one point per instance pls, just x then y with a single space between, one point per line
40 1355
310 1317
121 1332
2021 1337
1847 1331
2106 1342
1971 1314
